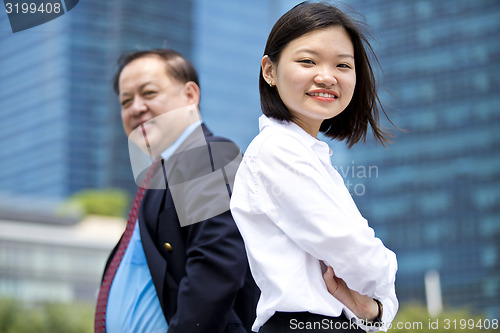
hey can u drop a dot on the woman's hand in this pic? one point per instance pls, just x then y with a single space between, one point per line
364 307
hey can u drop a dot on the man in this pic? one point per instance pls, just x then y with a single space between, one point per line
181 263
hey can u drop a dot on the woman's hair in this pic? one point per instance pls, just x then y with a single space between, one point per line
177 66
351 124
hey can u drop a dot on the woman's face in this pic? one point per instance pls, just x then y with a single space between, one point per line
315 76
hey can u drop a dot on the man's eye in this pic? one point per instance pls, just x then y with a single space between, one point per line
125 102
149 92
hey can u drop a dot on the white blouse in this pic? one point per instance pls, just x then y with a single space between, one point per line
293 211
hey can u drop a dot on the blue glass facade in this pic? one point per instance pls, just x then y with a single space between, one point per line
227 55
228 43
61 125
435 199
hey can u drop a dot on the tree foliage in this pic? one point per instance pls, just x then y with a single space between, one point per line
107 202
16 317
413 318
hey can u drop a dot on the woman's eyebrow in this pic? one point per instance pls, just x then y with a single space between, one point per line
306 50
346 56
313 52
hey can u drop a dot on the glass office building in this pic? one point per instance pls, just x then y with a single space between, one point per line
228 43
61 127
62 132
433 195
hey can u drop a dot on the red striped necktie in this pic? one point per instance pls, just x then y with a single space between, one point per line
102 299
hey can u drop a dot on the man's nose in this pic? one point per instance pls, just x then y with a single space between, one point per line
138 106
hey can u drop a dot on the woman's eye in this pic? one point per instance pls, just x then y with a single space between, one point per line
307 61
344 66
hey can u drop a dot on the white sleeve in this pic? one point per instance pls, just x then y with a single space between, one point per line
314 209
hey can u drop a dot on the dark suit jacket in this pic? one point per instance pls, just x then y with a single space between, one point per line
200 271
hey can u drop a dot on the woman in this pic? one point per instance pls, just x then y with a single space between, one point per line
290 205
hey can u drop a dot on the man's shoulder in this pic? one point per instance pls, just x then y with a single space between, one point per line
222 149
210 137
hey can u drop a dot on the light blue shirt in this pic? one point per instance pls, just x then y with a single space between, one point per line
133 305
184 135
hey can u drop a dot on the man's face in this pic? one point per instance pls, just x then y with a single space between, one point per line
146 92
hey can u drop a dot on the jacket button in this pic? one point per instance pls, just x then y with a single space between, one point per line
167 247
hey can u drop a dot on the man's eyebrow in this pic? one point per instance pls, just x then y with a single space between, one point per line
140 88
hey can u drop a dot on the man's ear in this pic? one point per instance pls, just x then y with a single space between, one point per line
192 92
268 70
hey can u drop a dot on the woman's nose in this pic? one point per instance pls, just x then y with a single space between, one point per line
326 77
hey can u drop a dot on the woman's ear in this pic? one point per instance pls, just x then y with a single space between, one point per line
268 70
192 92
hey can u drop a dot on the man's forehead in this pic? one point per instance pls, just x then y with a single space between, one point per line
141 72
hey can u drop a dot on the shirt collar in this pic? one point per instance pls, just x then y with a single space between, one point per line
184 135
319 147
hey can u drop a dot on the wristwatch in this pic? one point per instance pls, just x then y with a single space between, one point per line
378 318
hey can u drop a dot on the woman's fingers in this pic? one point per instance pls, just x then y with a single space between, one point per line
330 280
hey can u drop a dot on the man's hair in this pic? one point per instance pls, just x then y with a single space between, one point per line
352 123
177 67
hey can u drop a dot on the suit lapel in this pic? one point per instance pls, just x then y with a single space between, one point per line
154 202
148 217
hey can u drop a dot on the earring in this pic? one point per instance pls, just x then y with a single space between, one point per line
269 81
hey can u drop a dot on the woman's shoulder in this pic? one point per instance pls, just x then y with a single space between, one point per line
273 139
